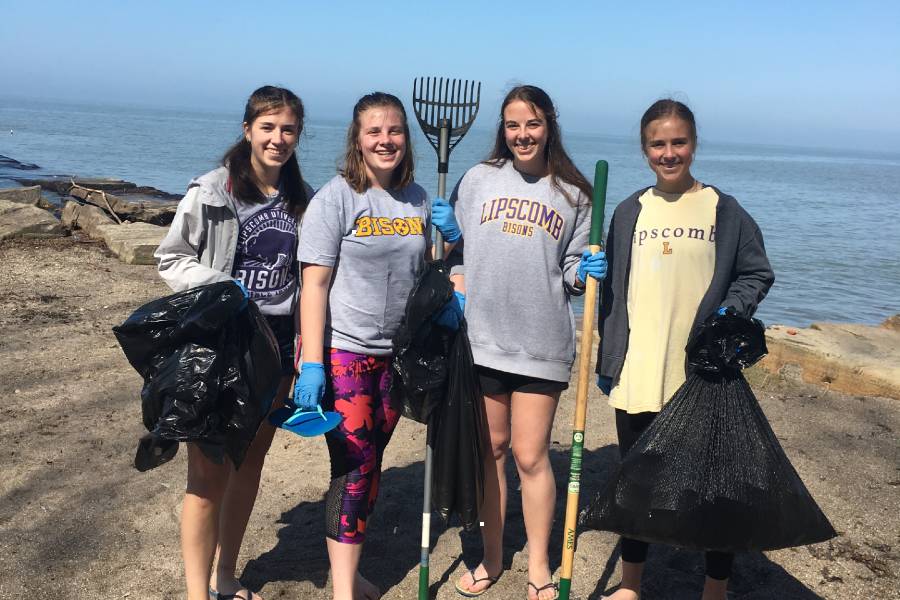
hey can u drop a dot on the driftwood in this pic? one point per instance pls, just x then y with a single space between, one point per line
102 195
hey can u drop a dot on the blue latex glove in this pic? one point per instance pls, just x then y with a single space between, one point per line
593 265
604 383
444 219
244 291
310 386
452 312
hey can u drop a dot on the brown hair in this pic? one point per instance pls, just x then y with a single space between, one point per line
559 164
354 167
667 107
244 183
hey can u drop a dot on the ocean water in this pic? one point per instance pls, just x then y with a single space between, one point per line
829 217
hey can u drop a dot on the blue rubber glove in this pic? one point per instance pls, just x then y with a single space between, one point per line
310 386
452 313
244 291
604 383
592 265
444 219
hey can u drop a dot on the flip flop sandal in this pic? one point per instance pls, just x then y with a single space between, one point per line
476 580
238 595
537 590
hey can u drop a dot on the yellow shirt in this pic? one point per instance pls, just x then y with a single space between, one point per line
672 259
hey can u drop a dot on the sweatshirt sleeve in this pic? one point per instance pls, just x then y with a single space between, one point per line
578 244
178 254
753 275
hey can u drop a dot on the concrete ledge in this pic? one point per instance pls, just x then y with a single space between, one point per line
25 195
85 217
132 243
22 220
863 360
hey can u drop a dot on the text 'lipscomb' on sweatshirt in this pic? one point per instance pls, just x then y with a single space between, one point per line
522 243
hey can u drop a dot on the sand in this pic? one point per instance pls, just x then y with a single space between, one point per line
77 521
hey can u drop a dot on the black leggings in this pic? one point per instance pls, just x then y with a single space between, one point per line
629 428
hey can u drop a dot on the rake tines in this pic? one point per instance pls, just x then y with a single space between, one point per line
451 102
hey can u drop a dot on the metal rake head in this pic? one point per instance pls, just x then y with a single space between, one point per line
436 99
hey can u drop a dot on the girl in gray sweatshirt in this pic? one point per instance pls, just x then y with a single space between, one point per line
525 221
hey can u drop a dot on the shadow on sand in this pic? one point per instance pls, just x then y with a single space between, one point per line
393 533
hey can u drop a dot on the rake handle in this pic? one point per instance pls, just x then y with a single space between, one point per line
443 151
443 163
586 350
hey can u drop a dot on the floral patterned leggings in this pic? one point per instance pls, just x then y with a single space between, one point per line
359 389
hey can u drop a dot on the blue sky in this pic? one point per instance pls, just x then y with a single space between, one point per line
803 73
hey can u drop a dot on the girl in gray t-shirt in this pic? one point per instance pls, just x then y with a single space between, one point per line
363 241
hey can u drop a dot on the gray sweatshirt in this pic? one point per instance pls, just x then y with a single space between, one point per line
523 241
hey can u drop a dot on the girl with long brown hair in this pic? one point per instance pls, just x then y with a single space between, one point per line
239 222
525 220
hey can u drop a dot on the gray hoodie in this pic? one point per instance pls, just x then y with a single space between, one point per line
523 241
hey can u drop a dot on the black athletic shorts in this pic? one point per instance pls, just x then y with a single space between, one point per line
283 328
494 382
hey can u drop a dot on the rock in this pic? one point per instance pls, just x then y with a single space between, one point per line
11 163
22 220
26 195
85 217
863 360
155 211
892 323
132 243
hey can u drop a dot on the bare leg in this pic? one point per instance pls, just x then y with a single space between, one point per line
199 520
532 420
346 582
493 508
630 588
714 589
238 501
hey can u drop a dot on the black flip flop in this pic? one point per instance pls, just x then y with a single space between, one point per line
552 585
476 580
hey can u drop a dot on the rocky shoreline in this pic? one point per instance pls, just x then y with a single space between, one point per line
129 219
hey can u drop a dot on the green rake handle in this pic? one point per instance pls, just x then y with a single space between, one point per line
601 175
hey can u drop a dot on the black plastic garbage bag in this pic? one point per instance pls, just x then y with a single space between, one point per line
727 342
709 473
435 383
457 442
421 349
210 371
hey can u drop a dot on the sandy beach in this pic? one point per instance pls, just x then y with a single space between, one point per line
78 521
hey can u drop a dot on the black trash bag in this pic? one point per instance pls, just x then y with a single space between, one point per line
455 434
210 371
420 348
727 342
709 473
435 383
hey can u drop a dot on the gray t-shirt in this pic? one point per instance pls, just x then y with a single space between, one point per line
376 243
522 243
